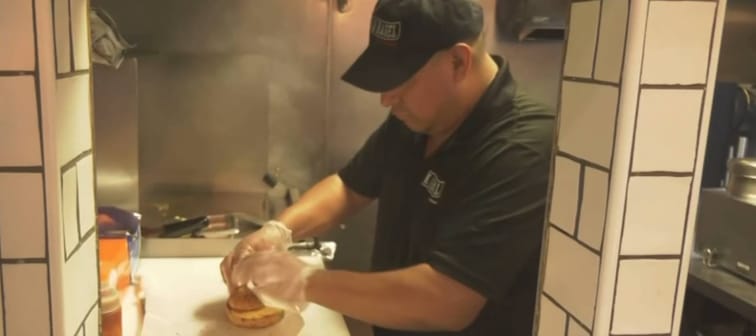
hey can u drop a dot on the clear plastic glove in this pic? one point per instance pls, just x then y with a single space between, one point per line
273 235
278 275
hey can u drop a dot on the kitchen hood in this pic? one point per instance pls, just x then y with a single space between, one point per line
532 19
737 58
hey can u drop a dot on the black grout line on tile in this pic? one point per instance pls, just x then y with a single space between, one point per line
629 168
574 1
620 94
29 169
673 86
40 134
661 174
695 164
579 210
80 243
72 74
554 150
598 37
566 324
55 34
589 81
2 295
667 334
78 207
16 73
70 36
70 164
582 161
584 245
567 312
82 325
21 261
650 257
587 332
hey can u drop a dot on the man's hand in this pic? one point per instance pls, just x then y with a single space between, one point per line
272 235
274 273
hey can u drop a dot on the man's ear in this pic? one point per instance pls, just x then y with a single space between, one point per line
462 59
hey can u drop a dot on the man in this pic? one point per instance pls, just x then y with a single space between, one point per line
460 168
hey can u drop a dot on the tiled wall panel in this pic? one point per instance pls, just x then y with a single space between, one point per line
636 92
16 34
26 299
586 121
574 291
48 270
19 122
584 22
678 42
611 40
22 216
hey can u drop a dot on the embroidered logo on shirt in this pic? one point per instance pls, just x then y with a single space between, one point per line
434 185
386 30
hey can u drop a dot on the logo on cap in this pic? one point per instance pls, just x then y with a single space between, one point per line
386 30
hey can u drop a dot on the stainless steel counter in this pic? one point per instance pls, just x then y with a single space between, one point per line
726 289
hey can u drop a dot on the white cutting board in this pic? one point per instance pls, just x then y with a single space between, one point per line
187 297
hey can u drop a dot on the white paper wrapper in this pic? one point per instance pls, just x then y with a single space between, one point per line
187 297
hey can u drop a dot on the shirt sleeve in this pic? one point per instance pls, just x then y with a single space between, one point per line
363 173
492 235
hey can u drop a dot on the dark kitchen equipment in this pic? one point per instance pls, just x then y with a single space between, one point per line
725 233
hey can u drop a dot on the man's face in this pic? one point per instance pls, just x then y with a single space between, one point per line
422 100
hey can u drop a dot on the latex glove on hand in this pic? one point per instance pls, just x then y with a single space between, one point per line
273 235
275 274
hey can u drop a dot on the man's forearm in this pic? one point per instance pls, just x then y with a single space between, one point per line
416 298
322 206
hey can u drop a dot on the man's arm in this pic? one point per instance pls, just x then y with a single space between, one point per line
322 206
415 298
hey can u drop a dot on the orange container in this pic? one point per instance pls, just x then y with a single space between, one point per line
114 258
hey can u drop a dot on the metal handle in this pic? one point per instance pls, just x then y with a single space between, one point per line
343 6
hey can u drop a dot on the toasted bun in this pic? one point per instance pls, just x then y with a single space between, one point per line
243 299
245 310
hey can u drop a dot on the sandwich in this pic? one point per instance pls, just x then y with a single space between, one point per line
244 309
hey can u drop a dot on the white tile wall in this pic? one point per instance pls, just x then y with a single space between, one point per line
80 43
85 189
66 121
62 35
611 40
667 124
553 319
80 281
19 122
584 17
645 296
678 41
575 329
22 216
70 209
17 34
575 291
91 325
73 117
26 299
593 208
655 216
586 104
565 194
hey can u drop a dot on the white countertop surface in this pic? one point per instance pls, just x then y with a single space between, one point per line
186 297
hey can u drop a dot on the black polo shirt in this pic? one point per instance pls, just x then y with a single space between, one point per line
474 210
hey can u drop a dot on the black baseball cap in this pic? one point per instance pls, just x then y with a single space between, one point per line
404 34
